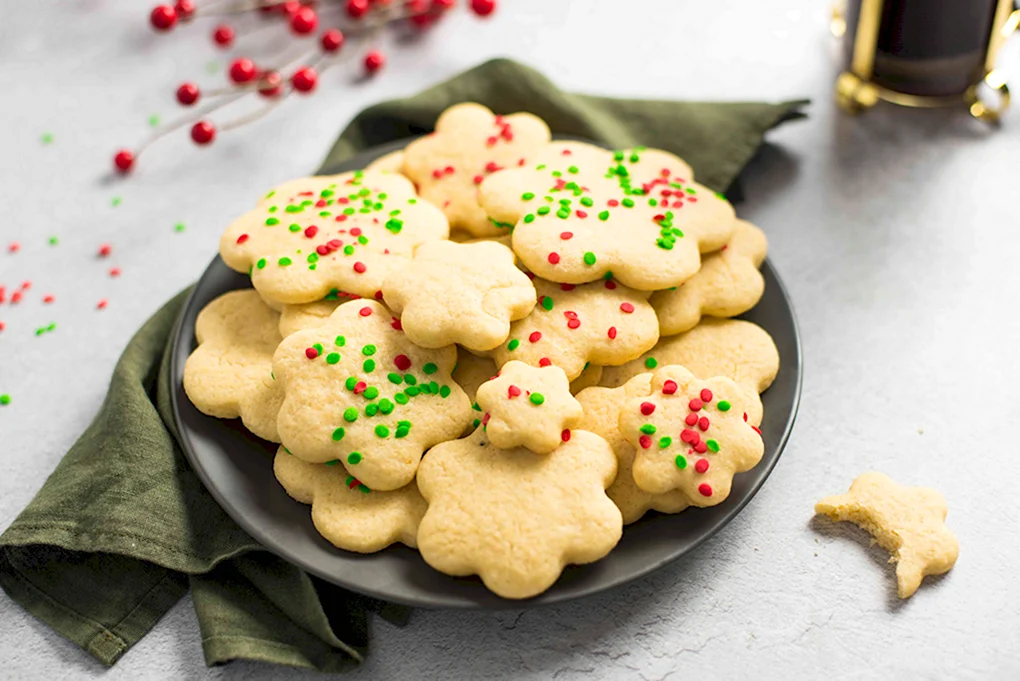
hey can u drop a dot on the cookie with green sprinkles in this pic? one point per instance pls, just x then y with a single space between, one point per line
347 232
690 435
356 384
459 293
601 323
513 517
531 407
469 144
345 511
579 212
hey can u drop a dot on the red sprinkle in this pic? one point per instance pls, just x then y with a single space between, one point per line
396 324
321 203
359 387
492 167
612 332
567 287
627 307
311 230
478 179
757 430
365 311
322 250
612 202
687 435
695 404
25 285
703 423
485 419
14 247
101 305
403 362
647 408
114 271
573 323
48 298
15 297
645 442
359 267
565 435
535 336
610 284
701 466
691 420
554 258
544 362
566 235
700 447
512 392
311 353
105 250
706 395
567 152
448 170
705 489
437 173
241 239
355 231
491 141
669 387
580 213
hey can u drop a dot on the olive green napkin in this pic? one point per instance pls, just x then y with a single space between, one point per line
123 528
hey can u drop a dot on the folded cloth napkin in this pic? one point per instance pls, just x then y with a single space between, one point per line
123 528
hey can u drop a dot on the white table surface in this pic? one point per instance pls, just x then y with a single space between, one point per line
896 234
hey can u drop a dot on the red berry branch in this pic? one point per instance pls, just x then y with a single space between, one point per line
274 78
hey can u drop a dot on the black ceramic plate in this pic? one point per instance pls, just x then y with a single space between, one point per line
237 469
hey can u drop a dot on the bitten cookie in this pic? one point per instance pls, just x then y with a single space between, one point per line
690 435
459 293
739 350
908 522
311 236
469 144
513 517
229 374
602 407
526 406
601 323
727 284
582 214
358 391
344 511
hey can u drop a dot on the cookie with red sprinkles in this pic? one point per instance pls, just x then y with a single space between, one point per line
513 517
346 232
690 435
345 511
602 323
531 407
637 213
358 392
728 284
469 144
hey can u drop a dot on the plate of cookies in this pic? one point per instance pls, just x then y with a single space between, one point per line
486 367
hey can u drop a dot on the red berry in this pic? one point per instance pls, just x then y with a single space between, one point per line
203 132
123 160
242 70
483 8
290 8
163 17
443 5
223 35
188 94
185 9
304 79
374 61
422 20
270 84
416 6
357 8
332 40
304 21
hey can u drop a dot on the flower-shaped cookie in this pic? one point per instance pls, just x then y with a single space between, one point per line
388 163
346 512
602 407
358 391
739 350
459 293
908 522
229 374
690 435
513 517
526 406
469 144
601 323
636 213
727 284
311 236
294 318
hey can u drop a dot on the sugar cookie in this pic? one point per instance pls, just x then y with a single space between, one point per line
388 163
727 284
358 391
310 236
526 406
590 375
470 143
602 407
459 293
908 522
690 435
513 517
344 511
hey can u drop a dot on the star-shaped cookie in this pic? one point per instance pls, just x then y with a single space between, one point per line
513 517
727 284
690 435
526 406
459 293
909 522
469 144
345 232
357 390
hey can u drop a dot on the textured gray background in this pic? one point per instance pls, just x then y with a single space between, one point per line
895 232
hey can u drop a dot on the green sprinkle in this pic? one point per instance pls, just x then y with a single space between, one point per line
680 461
332 463
53 241
527 196
665 244
371 392
476 407
547 303
154 120
115 201
572 170
589 258
475 423
653 203
318 347
713 445
648 429
543 210
351 383
410 380
354 458
634 158
433 387
412 391
272 209
402 432
382 431
326 193
350 414
368 366
371 409
179 227
368 350
46 138
536 398
362 239
430 368
261 263
348 249
340 341
512 345
723 405
557 173
294 227
293 209
338 434
445 391
272 221
400 398
313 258
586 201
333 358
563 214
628 203
665 442
529 218
651 363
604 215
618 156
394 225
395 378
385 406
412 201
5 399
